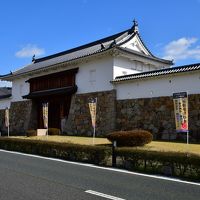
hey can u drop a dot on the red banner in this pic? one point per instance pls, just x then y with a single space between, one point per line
181 111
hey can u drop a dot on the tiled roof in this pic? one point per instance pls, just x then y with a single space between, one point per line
5 92
174 70
73 54
92 48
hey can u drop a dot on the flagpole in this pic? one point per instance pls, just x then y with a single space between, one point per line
7 120
187 120
47 119
47 126
93 135
95 122
8 126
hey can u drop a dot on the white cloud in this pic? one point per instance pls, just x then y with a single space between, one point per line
29 50
182 49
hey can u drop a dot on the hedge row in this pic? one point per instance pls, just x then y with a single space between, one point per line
73 152
130 138
168 163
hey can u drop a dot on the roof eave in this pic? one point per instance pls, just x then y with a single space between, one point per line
11 76
145 75
131 52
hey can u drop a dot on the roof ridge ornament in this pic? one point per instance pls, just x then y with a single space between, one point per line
135 26
113 44
33 58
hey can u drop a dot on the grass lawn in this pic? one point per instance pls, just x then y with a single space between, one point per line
172 146
155 146
69 139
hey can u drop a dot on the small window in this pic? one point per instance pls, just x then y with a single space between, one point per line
139 67
93 75
21 89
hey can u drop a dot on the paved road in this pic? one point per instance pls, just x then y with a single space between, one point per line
30 178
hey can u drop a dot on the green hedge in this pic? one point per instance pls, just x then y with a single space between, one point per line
176 164
168 163
73 152
130 138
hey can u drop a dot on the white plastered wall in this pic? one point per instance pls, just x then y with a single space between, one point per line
19 88
92 76
95 75
159 86
125 66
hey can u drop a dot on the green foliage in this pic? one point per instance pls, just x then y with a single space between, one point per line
53 131
180 164
130 138
30 133
73 152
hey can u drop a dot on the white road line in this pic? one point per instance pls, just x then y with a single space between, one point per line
103 195
104 168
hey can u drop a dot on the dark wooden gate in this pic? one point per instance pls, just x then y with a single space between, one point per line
57 90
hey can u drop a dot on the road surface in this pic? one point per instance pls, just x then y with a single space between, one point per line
25 177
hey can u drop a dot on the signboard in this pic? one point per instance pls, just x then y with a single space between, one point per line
181 111
7 117
92 107
45 114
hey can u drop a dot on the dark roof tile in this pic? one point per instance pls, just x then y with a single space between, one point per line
174 70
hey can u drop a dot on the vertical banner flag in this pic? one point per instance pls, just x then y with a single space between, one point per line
92 107
45 114
7 117
181 111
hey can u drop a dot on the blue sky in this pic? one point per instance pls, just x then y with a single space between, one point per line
170 29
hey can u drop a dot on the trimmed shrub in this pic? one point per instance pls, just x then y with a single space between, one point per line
180 164
53 131
30 133
130 138
73 152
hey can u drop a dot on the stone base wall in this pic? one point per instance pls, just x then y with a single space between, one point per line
157 116
153 114
79 120
23 116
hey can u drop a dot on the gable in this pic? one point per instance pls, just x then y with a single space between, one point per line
136 44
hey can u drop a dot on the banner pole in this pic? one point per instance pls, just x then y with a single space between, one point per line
187 121
47 119
8 121
94 135
8 128
95 121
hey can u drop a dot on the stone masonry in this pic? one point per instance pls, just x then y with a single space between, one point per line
79 120
153 114
157 116
23 116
